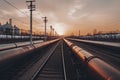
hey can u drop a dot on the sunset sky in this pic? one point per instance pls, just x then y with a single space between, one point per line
66 16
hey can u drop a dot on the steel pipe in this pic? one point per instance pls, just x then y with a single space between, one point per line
8 56
15 45
94 65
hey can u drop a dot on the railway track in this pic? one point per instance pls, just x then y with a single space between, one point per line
52 68
108 55
53 62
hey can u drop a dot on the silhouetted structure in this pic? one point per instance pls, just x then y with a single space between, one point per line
8 29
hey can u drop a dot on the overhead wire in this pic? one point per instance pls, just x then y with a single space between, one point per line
6 18
15 7
26 24
11 4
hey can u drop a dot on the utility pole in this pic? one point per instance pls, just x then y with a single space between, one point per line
79 33
55 33
51 31
45 20
13 32
32 8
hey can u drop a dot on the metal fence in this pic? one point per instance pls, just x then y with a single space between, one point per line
102 37
10 35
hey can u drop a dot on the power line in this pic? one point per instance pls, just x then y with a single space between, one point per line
40 12
18 9
15 7
40 16
5 18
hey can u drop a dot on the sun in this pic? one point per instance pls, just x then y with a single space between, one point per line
59 28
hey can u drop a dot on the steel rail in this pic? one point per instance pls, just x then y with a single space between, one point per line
63 60
45 61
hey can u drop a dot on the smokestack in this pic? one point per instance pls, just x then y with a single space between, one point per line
10 21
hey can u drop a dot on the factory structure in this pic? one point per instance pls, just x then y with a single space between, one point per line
9 29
